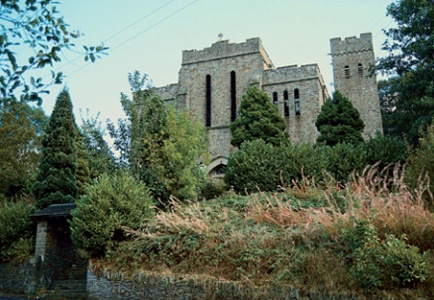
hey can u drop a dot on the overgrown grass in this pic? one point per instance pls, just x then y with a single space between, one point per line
333 238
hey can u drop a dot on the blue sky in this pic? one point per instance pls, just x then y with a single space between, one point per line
150 36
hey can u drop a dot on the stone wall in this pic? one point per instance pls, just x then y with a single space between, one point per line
312 93
224 49
252 66
247 60
17 278
352 60
14 282
161 287
169 92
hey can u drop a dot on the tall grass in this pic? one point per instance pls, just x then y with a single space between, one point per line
296 237
387 203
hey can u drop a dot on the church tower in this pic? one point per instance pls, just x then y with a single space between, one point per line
352 60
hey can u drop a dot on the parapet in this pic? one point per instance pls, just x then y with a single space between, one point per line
224 49
351 44
168 92
293 72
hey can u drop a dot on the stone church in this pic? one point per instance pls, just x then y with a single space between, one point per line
212 81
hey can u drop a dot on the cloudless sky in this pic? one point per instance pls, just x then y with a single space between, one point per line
150 35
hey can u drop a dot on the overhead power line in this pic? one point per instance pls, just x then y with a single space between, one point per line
133 37
138 21
155 24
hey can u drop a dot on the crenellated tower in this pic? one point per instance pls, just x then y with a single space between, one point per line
352 61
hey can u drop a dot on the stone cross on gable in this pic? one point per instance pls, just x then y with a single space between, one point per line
220 36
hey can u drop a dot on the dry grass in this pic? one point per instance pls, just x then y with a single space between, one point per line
387 203
272 239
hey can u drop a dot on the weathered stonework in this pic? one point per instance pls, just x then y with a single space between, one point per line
58 269
352 60
312 94
161 287
230 69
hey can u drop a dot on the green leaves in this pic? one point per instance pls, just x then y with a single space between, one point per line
20 140
374 262
260 165
411 59
258 119
421 163
160 145
113 205
94 52
15 230
56 180
339 122
99 156
36 25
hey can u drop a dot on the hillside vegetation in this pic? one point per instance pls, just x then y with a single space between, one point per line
373 238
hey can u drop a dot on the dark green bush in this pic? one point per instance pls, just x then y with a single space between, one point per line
385 151
302 160
364 254
16 238
375 263
421 163
256 165
343 160
212 188
339 122
403 264
112 205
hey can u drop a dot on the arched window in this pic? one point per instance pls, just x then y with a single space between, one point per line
360 70
286 103
208 101
297 102
347 72
233 96
275 100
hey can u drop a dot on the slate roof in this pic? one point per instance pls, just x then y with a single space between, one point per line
54 210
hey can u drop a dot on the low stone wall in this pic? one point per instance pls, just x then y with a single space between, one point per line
158 287
17 278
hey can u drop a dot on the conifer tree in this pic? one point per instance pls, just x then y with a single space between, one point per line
258 119
82 172
56 180
339 122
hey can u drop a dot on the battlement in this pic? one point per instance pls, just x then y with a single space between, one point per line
291 73
351 44
224 49
168 92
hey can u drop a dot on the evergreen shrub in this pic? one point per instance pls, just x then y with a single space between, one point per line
384 151
112 205
343 160
258 119
301 161
16 242
212 188
339 122
56 180
256 165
